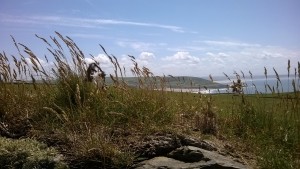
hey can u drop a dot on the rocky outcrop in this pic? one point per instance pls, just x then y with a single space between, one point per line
157 145
178 152
188 154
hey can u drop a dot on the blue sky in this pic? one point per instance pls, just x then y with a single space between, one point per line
178 37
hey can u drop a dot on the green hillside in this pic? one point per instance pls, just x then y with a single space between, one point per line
173 82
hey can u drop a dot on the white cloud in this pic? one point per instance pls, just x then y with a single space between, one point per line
81 22
182 57
219 58
146 56
211 59
137 46
87 35
252 56
119 22
230 44
186 48
140 46
102 59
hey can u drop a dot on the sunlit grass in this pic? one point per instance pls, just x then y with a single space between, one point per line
98 122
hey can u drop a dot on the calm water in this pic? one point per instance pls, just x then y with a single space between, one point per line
259 86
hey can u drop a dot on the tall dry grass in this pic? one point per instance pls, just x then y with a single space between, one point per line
267 122
100 123
60 100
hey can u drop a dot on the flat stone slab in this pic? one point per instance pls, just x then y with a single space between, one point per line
207 159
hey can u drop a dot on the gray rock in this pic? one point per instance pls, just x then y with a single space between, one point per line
187 141
187 154
162 144
221 161
158 145
160 163
209 160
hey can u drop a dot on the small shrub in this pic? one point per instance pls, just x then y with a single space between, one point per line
28 154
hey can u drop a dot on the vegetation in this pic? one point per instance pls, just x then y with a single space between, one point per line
28 154
177 82
94 126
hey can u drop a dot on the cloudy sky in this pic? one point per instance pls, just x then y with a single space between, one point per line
177 37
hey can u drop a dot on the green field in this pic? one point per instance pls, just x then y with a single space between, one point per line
75 116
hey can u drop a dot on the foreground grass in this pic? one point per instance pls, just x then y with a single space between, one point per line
28 154
99 126
268 124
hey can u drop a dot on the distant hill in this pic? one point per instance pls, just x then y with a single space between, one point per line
186 82
175 82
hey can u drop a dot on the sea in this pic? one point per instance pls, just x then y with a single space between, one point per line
260 85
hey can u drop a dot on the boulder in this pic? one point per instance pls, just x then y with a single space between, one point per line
162 144
161 163
157 145
190 157
206 145
187 154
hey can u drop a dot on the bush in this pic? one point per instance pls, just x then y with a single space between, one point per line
28 154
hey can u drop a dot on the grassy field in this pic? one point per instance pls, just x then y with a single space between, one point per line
79 118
